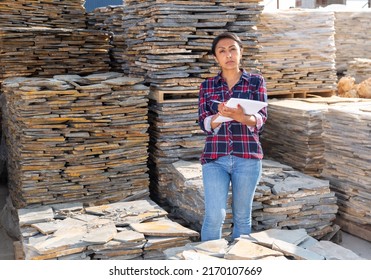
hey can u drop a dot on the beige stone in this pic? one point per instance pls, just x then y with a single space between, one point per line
247 250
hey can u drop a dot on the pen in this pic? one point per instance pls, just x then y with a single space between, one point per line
216 101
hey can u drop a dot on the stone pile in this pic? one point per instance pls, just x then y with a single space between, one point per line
272 244
137 230
348 164
169 41
47 52
118 231
297 52
186 197
284 199
76 138
360 69
353 30
43 13
293 134
110 19
174 135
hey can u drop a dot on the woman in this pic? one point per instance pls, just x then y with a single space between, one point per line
232 154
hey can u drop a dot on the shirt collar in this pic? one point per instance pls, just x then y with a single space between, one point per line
244 75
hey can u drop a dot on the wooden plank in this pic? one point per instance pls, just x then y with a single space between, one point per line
168 96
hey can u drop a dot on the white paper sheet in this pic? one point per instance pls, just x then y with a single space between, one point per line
249 106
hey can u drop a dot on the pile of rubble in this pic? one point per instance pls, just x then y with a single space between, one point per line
118 231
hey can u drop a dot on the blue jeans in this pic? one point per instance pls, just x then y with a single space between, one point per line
243 175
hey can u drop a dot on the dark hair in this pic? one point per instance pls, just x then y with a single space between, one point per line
225 35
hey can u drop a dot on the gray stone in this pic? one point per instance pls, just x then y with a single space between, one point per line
308 242
195 255
332 251
216 248
247 250
294 251
100 232
28 216
269 236
294 184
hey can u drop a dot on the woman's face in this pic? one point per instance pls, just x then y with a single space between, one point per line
228 54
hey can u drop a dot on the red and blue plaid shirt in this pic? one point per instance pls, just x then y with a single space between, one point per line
231 138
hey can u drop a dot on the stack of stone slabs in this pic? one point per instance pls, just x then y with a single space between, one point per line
43 13
348 164
76 138
297 53
284 199
293 134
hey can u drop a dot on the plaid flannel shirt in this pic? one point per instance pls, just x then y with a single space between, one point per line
232 137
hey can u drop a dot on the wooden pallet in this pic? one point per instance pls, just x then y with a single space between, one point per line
170 96
286 95
300 94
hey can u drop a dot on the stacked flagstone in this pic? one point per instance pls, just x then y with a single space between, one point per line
290 199
169 41
118 231
284 199
185 194
48 52
297 52
43 13
109 19
359 69
74 138
352 37
293 134
348 164
174 135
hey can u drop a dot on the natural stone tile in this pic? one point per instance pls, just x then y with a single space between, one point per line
293 184
127 235
118 254
157 242
247 250
195 255
57 244
216 248
116 245
294 251
100 232
163 227
308 242
269 236
55 225
28 216
68 207
124 213
332 251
